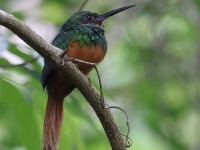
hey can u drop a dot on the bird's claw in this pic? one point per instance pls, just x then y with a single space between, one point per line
62 62
76 65
62 56
89 80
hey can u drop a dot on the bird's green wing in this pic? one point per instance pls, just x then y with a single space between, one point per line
61 41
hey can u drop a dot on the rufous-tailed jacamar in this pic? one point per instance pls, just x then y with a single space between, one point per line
83 33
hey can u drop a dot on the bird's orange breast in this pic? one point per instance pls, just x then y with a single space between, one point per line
92 54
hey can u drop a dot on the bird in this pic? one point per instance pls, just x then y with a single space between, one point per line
82 35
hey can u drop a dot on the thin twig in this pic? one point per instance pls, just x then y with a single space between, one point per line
21 64
83 5
128 141
128 144
94 65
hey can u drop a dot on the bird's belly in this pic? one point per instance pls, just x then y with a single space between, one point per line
93 54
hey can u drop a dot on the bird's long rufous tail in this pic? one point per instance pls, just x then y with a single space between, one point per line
52 122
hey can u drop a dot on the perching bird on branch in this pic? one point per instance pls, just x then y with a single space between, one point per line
83 35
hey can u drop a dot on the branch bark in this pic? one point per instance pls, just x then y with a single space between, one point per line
52 55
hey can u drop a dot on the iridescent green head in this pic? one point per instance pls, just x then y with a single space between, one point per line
93 19
85 27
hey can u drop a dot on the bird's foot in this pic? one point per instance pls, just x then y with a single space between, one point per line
89 80
62 55
64 52
62 63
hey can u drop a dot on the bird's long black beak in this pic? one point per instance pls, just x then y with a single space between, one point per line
106 15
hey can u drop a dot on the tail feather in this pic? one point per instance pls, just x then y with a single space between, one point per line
52 122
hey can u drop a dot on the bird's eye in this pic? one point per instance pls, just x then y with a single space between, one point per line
89 17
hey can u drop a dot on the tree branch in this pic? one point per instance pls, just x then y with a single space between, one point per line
52 55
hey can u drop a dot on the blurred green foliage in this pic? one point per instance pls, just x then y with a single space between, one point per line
151 70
